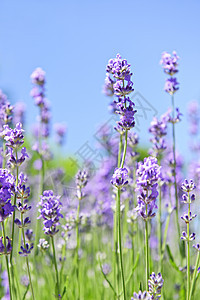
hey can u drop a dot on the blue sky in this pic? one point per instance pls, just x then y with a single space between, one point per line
73 40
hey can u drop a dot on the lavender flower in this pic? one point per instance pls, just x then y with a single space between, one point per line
8 248
120 177
197 247
19 111
187 238
38 93
60 130
155 285
43 245
25 251
141 296
29 234
6 191
127 120
50 212
148 174
171 85
13 137
6 110
38 77
170 62
193 112
108 89
158 129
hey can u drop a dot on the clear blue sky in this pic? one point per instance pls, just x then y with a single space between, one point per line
73 40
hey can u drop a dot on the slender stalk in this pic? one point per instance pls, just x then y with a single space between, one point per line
120 243
7 264
165 237
188 252
125 148
27 261
174 157
56 268
13 224
119 151
160 231
41 188
194 275
77 249
146 252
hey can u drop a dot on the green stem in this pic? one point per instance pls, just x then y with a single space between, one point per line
13 224
194 275
120 243
41 188
7 264
125 148
27 261
146 252
165 236
160 231
174 157
56 268
119 151
77 248
188 251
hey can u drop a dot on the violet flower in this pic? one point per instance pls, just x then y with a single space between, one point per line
50 212
155 285
120 177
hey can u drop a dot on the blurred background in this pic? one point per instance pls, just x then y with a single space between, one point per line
73 41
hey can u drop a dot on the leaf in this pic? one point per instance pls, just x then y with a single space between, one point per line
24 297
171 259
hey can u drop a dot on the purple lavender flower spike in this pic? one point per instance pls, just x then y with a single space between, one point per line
120 177
169 62
13 137
171 85
50 212
148 174
6 110
127 120
155 284
8 246
186 238
60 130
19 111
29 234
38 76
25 251
2 247
7 188
108 89
189 218
197 247
141 296
188 186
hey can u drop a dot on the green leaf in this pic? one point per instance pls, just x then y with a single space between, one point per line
171 259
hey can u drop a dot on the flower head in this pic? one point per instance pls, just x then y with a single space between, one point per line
155 284
120 177
170 62
171 85
50 212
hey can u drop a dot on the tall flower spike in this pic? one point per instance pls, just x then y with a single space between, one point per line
155 285
169 62
120 177
141 296
50 212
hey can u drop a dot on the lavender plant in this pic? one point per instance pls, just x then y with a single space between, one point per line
122 212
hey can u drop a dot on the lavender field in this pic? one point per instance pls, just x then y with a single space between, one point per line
127 229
